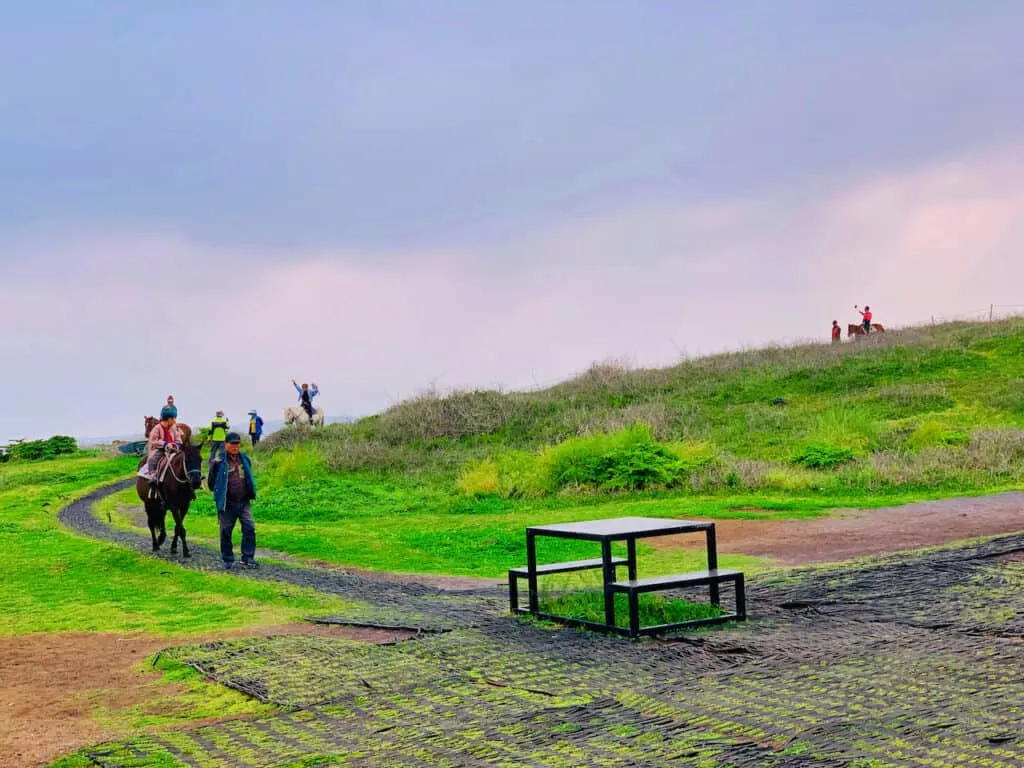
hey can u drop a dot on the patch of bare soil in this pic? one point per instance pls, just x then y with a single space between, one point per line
452 583
49 683
852 533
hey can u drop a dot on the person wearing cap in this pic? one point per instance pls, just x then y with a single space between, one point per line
255 426
233 487
218 431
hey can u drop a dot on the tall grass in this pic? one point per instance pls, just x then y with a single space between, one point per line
921 408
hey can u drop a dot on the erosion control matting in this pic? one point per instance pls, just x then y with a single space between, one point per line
906 660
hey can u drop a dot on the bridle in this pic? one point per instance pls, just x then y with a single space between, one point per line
189 473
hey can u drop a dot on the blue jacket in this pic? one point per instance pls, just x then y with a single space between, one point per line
218 479
255 425
313 392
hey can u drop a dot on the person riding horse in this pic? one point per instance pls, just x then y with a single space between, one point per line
306 396
165 435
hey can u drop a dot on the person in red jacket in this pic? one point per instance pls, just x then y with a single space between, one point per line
866 314
837 332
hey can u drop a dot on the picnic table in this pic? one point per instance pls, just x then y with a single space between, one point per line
628 530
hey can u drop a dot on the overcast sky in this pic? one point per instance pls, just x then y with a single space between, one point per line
208 197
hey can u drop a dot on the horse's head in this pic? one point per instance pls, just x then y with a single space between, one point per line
193 463
150 423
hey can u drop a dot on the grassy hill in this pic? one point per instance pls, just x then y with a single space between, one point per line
446 483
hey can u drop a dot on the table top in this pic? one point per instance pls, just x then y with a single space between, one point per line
620 528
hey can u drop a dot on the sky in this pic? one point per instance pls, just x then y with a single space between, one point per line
210 197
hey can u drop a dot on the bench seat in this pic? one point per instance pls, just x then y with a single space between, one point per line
713 578
514 574
694 578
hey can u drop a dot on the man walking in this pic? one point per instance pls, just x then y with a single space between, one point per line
233 488
218 431
837 332
255 427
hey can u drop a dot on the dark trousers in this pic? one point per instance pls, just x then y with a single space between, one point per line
237 511
255 439
867 326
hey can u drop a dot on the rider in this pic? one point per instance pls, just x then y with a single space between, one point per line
306 396
163 435
866 314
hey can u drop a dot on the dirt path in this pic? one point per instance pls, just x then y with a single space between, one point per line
847 534
50 683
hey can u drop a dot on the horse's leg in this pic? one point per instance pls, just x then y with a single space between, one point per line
174 540
179 530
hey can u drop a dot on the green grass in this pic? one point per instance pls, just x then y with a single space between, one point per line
52 580
654 609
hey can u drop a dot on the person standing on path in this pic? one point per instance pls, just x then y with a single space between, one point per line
233 489
218 433
255 427
837 332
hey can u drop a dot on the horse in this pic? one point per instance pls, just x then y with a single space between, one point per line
857 329
296 414
175 492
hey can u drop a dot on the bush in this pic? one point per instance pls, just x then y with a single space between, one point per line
479 479
33 450
932 434
822 456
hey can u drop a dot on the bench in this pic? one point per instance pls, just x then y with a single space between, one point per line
713 578
515 574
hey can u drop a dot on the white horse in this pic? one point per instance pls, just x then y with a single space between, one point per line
296 414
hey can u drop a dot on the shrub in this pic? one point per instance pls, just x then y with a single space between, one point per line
822 456
479 479
847 428
33 450
932 434
629 459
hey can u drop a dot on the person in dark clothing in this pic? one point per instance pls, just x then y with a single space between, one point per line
233 489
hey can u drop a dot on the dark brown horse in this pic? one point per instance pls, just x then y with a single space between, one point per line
175 492
857 329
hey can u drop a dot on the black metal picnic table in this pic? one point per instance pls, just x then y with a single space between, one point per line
628 530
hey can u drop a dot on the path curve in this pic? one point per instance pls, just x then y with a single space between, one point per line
379 602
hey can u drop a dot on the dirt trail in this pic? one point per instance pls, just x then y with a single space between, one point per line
50 683
851 533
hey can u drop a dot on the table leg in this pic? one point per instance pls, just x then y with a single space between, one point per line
609 577
713 563
631 558
531 571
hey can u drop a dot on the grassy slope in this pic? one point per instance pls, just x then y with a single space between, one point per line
382 493
53 580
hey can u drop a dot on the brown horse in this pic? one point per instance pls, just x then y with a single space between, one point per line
175 492
857 329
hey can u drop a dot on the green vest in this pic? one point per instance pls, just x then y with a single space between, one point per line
219 430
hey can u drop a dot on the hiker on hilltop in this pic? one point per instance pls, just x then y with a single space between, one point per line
255 427
837 332
306 396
